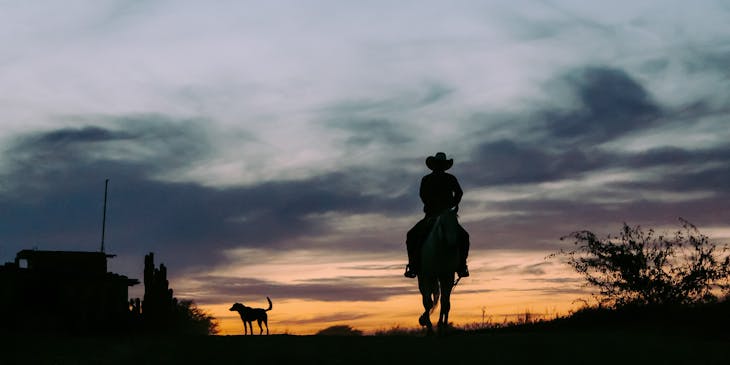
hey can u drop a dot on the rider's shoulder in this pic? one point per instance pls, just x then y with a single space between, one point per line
449 176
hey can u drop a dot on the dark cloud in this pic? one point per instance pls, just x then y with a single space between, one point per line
144 145
510 162
560 142
683 169
70 136
611 104
216 289
710 180
538 224
57 205
566 142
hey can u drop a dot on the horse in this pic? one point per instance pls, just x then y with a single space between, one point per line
439 262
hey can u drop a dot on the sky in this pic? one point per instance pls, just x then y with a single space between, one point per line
274 148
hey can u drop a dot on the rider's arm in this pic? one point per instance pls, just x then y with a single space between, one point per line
423 190
458 193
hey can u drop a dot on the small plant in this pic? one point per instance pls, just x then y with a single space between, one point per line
399 331
639 267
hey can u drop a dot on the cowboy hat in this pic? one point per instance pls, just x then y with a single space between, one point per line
439 162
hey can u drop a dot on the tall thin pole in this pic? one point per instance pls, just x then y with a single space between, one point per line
103 219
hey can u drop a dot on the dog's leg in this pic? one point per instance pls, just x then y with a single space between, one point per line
266 322
261 330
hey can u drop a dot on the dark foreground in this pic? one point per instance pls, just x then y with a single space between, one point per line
539 347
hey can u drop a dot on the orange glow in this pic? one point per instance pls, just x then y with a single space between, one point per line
503 286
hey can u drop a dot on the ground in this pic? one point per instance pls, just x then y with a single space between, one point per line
507 347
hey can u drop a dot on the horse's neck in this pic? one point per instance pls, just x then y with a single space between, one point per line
439 251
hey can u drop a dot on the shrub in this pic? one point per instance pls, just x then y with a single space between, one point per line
189 319
641 267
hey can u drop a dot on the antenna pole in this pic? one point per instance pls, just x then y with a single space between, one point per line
103 219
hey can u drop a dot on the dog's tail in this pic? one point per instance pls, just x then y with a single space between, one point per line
270 305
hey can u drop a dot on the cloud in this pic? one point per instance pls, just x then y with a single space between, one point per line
570 142
328 318
505 162
562 141
365 132
556 280
144 145
373 267
56 202
56 173
610 104
217 289
537 269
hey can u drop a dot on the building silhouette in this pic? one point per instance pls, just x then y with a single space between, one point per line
63 292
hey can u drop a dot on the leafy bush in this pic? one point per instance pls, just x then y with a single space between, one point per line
189 319
641 267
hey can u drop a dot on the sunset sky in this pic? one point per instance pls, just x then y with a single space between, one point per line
274 148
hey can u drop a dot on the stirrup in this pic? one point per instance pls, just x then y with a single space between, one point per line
410 273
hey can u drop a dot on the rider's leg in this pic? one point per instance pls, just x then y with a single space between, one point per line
463 270
413 248
412 268
414 240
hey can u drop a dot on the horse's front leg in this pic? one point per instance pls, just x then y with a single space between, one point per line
446 286
425 321
445 308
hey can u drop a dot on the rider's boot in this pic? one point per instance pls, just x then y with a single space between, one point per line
463 271
411 271
413 255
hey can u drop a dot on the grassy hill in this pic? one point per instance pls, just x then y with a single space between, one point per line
640 335
514 346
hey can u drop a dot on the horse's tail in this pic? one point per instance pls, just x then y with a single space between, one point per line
270 305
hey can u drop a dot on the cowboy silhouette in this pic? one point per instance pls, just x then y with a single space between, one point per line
440 191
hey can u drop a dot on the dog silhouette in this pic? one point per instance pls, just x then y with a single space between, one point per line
248 315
